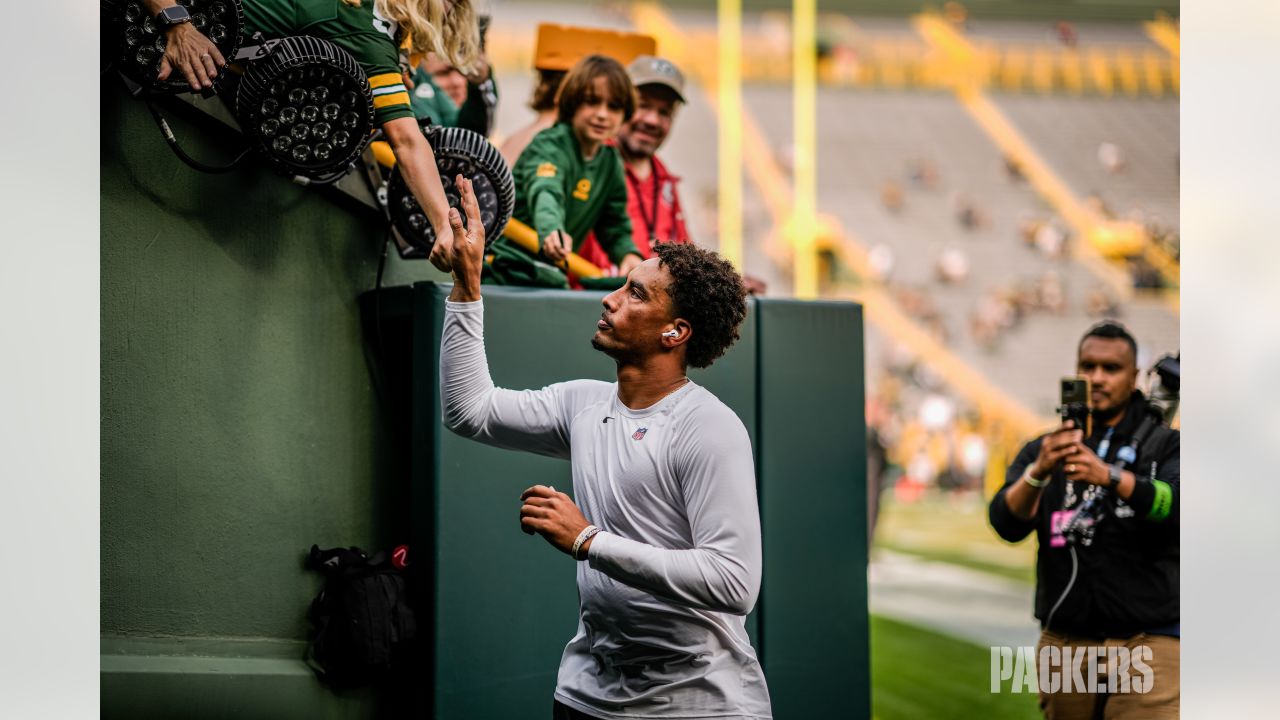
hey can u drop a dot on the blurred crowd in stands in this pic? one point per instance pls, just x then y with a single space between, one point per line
922 440
1006 305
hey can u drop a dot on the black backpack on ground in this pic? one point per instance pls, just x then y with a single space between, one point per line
363 622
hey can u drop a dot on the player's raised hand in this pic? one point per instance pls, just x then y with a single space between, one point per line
466 254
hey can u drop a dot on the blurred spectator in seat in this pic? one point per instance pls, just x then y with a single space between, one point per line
971 454
1050 240
1095 203
1101 303
447 97
924 174
880 258
1053 296
967 212
952 266
1027 229
992 315
956 14
1111 157
1145 275
1066 33
891 196
1012 169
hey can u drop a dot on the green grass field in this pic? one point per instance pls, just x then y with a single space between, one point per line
917 674
936 528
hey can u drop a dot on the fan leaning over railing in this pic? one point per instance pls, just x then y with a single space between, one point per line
372 33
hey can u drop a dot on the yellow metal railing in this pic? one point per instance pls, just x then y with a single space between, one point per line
729 96
868 61
527 238
804 106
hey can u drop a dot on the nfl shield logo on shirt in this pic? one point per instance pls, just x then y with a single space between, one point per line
639 434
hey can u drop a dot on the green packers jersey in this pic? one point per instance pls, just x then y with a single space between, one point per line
476 113
429 101
556 189
362 31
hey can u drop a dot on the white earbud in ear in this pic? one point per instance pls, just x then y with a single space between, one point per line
671 333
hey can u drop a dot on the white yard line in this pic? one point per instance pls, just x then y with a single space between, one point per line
978 607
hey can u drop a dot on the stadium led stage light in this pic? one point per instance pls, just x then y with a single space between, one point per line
141 40
308 108
458 152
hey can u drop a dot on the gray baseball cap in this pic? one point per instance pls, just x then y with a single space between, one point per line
650 70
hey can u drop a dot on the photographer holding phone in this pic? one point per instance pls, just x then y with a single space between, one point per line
1112 581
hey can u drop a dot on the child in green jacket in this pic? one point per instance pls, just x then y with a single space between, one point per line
569 182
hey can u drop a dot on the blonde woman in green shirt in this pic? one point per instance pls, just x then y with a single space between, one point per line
373 31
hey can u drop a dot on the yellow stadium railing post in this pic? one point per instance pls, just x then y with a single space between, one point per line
729 90
804 109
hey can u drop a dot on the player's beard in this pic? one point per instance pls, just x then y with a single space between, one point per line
618 353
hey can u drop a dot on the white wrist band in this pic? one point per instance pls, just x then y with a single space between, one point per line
1026 475
587 533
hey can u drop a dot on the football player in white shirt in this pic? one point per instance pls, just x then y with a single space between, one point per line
666 525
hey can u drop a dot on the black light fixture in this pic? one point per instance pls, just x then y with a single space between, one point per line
140 41
308 108
458 152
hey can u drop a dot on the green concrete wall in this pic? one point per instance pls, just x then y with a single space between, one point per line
813 496
239 423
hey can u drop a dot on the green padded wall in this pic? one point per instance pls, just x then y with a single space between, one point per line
239 425
812 472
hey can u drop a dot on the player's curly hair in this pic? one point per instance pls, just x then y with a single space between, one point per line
707 292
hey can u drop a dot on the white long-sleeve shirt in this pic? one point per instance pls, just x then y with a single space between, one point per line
676 568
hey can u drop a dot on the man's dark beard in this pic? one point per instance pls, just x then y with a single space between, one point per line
1103 416
629 154
618 354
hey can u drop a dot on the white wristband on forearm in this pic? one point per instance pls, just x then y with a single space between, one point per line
587 533
1037 484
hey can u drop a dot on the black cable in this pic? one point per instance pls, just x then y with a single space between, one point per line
1048 622
382 261
182 154
329 179
377 292
378 345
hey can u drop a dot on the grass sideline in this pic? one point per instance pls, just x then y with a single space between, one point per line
940 528
1021 574
917 674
